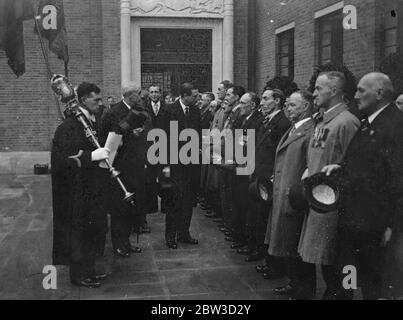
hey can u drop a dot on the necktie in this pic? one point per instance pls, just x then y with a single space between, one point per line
187 112
292 131
156 109
365 124
318 118
266 123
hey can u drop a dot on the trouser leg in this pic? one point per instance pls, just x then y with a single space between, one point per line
83 253
302 278
186 209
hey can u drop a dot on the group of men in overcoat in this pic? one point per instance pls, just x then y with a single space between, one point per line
295 141
297 137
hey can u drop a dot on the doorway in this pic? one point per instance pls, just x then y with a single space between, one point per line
170 57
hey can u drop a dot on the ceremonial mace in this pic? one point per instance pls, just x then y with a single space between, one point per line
62 87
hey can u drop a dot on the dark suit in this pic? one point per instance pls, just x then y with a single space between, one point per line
77 188
130 162
207 116
240 198
268 138
179 215
159 121
373 170
232 120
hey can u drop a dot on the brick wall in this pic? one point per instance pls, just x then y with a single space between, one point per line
28 116
241 43
359 45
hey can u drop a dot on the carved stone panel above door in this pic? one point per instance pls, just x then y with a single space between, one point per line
178 8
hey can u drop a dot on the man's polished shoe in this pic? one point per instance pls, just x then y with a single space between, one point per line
132 249
99 277
244 250
188 240
212 215
223 229
221 226
262 268
254 256
122 252
228 233
272 275
284 291
87 283
236 245
229 239
172 245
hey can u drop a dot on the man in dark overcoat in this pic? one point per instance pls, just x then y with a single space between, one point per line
271 131
130 119
373 170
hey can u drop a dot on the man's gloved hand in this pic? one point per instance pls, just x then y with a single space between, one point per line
100 154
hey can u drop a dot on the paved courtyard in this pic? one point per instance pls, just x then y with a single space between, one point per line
209 271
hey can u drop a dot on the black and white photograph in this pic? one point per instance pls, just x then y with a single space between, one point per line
214 153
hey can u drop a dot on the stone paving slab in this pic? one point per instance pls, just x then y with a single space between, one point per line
208 271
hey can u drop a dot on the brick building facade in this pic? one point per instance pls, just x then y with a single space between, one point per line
263 31
361 49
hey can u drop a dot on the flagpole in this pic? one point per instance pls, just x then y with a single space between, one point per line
46 58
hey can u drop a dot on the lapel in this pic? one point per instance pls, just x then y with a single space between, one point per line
122 109
179 114
270 127
327 117
382 118
300 133
381 123
250 121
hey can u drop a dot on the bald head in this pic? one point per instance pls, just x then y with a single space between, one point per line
131 93
374 91
130 88
380 81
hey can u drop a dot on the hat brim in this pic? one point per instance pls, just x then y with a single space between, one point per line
261 190
323 193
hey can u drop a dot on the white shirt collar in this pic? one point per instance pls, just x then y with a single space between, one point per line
273 114
300 123
127 105
334 107
87 114
156 103
373 116
183 106
248 117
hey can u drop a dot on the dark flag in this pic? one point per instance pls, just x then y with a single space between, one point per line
12 14
52 26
